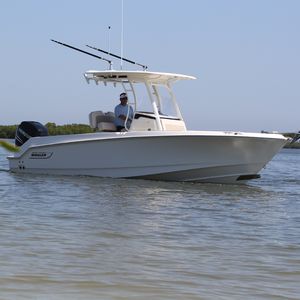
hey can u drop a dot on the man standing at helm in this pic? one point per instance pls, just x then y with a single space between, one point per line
121 112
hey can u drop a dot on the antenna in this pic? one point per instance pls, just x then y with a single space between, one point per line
109 38
117 56
122 33
85 52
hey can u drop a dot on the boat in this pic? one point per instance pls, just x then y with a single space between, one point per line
156 146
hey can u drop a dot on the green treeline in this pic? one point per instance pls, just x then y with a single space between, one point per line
54 129
8 131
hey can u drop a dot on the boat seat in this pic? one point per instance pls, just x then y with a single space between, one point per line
93 118
106 126
102 121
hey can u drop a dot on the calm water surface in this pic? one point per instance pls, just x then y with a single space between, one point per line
92 238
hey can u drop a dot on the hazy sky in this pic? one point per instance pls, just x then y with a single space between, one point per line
245 54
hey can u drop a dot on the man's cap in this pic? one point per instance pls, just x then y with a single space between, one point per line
123 95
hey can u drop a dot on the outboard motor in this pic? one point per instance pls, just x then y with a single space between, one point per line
28 129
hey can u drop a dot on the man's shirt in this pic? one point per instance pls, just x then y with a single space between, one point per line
122 110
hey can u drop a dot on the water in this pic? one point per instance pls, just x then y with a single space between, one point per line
92 238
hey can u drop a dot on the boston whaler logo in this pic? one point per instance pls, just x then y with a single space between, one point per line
40 155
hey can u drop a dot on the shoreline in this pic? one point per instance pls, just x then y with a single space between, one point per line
8 132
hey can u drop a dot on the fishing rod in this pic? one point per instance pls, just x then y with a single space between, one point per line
117 56
85 52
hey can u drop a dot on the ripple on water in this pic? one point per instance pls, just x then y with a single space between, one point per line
91 238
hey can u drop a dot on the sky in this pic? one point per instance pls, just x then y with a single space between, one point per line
244 53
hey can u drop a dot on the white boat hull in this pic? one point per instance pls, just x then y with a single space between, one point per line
171 156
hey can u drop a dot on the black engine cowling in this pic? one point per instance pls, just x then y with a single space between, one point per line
28 129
